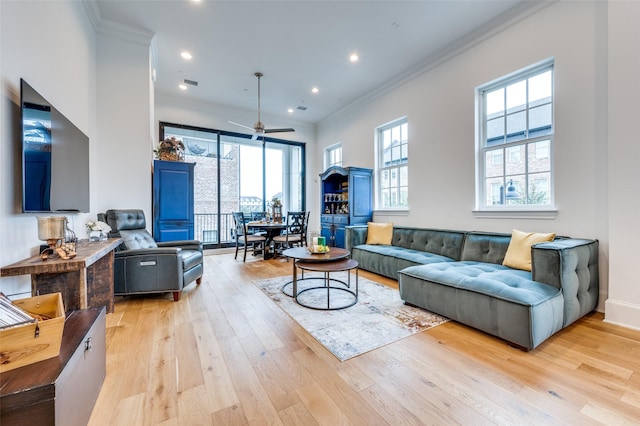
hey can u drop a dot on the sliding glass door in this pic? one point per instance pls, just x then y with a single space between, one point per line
235 173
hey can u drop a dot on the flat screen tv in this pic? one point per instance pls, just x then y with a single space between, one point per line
55 158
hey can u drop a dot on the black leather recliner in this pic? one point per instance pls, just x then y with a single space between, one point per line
144 266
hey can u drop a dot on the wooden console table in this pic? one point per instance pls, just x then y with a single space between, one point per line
86 281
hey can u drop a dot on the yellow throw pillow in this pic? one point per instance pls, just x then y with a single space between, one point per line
519 252
379 233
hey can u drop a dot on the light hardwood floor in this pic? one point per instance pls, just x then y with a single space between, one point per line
226 355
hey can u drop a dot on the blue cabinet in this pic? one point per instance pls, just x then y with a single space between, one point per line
173 217
346 199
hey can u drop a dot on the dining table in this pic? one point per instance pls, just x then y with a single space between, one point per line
271 229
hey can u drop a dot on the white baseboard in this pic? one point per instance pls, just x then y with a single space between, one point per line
622 313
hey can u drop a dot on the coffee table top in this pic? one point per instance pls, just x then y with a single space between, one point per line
335 266
303 253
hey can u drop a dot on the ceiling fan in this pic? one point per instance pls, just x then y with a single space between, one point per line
258 127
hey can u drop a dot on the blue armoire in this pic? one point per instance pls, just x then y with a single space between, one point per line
173 217
346 199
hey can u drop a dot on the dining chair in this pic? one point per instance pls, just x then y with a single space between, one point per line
250 242
293 234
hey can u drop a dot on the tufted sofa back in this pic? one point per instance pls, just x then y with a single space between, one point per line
485 247
443 242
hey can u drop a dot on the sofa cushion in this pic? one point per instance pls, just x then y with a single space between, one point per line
519 252
485 247
379 233
490 297
388 260
487 278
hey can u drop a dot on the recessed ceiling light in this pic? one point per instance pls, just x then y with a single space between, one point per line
183 86
315 90
353 57
186 55
290 110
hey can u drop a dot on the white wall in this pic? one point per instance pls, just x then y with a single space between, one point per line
52 46
440 105
125 142
623 305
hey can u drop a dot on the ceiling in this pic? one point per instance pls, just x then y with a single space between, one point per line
298 45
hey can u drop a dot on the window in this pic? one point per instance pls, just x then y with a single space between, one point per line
392 170
333 156
515 137
235 173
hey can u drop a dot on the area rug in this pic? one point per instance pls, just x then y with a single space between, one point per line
379 317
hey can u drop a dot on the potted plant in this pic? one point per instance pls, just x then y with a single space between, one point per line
170 150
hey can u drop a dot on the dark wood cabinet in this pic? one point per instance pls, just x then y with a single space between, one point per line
60 390
173 211
346 199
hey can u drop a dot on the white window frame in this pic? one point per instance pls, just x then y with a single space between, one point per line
482 206
329 155
402 124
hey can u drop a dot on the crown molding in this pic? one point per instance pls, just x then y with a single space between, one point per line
114 29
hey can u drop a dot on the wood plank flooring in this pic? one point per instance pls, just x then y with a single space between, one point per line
226 355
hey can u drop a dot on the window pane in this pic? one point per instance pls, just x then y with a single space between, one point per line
540 87
493 163
495 102
404 197
540 120
386 157
493 189
384 179
393 197
404 152
395 135
394 178
516 126
539 189
516 96
495 130
386 139
515 160
395 154
404 176
405 134
539 159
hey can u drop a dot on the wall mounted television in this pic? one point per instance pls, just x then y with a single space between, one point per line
55 158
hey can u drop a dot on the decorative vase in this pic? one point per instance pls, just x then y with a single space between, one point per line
95 236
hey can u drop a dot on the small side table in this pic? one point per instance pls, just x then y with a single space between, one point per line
327 268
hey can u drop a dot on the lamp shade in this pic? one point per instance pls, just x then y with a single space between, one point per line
51 227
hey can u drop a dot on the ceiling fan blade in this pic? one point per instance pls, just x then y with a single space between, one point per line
241 125
289 129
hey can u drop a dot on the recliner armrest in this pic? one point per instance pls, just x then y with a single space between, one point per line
150 251
183 244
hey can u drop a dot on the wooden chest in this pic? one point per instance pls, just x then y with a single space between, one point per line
60 390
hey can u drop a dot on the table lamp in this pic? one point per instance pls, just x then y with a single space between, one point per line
51 229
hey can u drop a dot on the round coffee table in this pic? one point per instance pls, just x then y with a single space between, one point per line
327 268
303 254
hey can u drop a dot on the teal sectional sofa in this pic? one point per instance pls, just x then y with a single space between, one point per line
459 274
